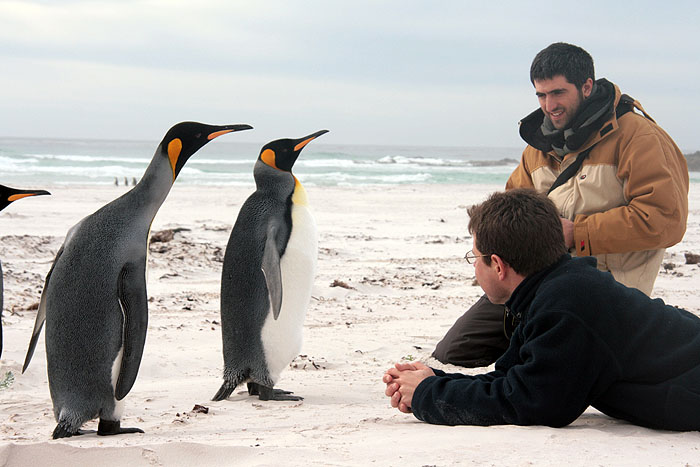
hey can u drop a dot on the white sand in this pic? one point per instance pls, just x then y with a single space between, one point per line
399 248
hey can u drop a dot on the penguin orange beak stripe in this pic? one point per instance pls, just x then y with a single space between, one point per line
299 146
216 134
20 196
308 139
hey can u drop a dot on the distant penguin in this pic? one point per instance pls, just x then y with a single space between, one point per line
94 300
267 275
8 195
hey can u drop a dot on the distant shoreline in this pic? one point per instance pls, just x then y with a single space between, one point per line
693 161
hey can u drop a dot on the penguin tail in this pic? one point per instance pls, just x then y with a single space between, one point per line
232 378
63 431
224 391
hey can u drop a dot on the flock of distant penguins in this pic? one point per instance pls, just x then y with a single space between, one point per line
126 181
95 306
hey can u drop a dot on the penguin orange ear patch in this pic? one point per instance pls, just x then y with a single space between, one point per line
268 157
174 149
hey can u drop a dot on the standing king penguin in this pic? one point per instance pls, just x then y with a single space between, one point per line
268 272
7 196
94 300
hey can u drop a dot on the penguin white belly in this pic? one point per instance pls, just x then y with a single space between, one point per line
116 369
282 338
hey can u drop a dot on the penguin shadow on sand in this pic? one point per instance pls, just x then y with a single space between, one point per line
267 276
7 196
94 301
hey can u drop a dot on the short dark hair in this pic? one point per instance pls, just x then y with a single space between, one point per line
560 58
521 226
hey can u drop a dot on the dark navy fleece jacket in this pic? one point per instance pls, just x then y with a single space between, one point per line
584 339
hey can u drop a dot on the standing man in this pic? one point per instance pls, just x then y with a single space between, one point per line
619 181
584 338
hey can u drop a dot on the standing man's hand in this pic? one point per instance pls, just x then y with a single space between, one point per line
568 228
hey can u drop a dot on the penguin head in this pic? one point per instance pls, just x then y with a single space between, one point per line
8 195
184 139
281 154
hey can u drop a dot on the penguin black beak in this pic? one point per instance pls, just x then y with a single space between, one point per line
8 195
222 130
301 142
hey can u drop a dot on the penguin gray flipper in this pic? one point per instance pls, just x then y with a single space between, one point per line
272 270
131 291
40 315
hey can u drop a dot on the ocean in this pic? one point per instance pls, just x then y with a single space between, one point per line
35 163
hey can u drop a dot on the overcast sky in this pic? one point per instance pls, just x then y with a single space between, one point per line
436 73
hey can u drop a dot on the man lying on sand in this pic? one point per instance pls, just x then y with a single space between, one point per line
583 338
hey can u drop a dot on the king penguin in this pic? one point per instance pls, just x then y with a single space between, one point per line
267 276
7 196
94 300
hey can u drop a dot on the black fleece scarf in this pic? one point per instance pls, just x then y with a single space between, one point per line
538 131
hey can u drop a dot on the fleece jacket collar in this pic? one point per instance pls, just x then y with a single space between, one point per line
521 298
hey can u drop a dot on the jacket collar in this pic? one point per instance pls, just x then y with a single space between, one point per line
524 293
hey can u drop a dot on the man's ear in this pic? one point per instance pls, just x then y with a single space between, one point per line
501 266
587 88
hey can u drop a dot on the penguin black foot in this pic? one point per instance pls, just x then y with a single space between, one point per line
224 391
111 427
265 393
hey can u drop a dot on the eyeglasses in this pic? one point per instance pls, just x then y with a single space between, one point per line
471 257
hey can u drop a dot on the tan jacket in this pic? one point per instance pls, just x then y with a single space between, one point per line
629 200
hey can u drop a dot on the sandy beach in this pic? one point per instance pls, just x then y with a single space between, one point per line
391 280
